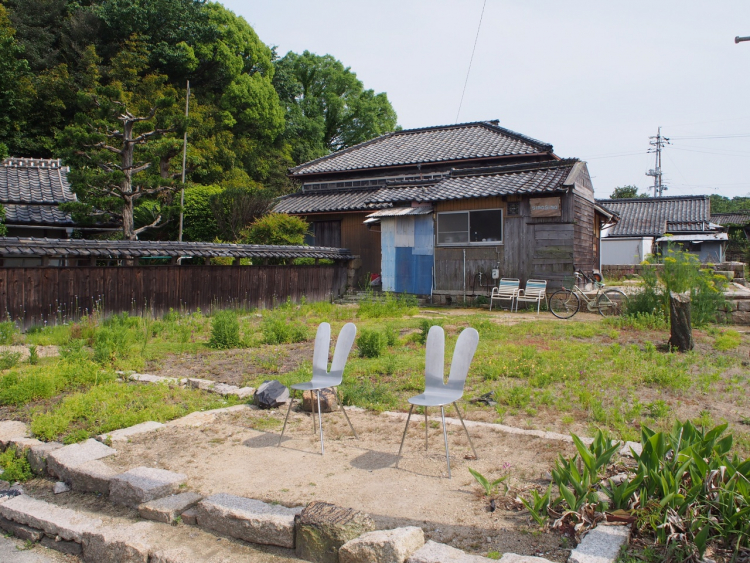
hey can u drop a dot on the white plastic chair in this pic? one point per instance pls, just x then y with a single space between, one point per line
322 378
534 292
506 289
437 393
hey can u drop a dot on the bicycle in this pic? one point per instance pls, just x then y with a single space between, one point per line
564 303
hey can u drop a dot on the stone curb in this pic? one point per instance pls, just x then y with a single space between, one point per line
601 545
209 385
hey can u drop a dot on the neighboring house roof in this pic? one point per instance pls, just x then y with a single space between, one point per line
445 143
121 249
696 237
655 216
738 219
31 190
531 178
398 212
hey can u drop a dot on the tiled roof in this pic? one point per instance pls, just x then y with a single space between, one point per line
30 190
115 249
739 218
542 177
431 144
649 216
36 215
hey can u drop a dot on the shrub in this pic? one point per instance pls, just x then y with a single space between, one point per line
424 328
33 355
7 329
387 305
9 359
727 340
276 228
15 467
371 343
225 330
391 335
277 329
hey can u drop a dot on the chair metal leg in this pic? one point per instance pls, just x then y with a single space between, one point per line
425 429
341 404
401 447
455 404
320 422
291 400
445 437
312 410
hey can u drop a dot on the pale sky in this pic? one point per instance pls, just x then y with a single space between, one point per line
593 78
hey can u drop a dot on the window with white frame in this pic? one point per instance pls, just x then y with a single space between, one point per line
483 226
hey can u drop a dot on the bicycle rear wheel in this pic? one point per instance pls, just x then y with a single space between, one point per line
563 303
612 303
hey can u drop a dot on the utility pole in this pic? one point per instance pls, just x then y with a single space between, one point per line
658 143
184 159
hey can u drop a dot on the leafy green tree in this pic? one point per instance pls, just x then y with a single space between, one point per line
276 228
3 228
115 146
15 85
625 192
237 207
722 204
199 221
327 106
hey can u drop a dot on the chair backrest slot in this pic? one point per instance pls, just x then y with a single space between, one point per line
463 354
434 368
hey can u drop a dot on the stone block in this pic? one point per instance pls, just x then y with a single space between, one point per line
741 318
383 546
328 400
245 392
203 384
60 487
514 558
37 456
167 509
322 528
53 520
600 545
635 446
248 519
271 394
11 429
148 378
24 444
90 477
61 460
124 544
125 434
190 517
20 531
433 552
743 305
66 547
144 484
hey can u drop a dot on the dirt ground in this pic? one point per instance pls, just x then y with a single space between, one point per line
238 454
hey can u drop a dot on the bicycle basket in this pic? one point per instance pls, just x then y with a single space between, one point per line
568 282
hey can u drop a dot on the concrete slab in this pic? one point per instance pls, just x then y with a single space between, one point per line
248 519
148 378
197 383
167 509
24 444
20 531
61 460
10 429
144 484
514 558
53 520
433 552
125 434
600 545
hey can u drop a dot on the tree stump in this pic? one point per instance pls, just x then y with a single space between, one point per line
681 330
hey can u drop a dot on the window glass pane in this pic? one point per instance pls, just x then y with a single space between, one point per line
450 222
453 228
487 226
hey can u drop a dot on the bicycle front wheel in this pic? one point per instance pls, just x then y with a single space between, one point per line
612 303
563 303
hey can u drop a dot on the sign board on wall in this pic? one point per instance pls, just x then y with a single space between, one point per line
545 207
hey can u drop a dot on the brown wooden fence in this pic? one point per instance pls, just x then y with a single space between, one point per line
38 295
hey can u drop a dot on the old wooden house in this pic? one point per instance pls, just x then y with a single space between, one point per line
435 210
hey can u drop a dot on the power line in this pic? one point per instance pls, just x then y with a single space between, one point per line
470 61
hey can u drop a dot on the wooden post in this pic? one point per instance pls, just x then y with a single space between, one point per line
679 321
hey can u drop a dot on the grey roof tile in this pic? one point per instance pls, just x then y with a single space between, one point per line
650 216
431 144
30 190
739 218
533 178
13 246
